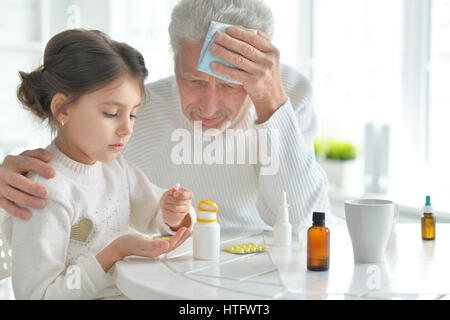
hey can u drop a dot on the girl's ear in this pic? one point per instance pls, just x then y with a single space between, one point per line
58 106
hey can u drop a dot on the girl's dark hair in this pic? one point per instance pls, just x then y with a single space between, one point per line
77 62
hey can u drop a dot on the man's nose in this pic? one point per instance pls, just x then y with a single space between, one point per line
209 101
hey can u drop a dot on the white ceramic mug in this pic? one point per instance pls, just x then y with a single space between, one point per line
370 223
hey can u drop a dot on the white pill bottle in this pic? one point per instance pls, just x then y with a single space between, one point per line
206 232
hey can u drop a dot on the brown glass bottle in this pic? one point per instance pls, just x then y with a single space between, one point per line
428 221
318 244
428 226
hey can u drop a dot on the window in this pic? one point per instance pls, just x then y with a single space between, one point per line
144 25
385 61
356 64
439 84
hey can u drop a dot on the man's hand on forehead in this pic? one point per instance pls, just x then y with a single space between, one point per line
259 63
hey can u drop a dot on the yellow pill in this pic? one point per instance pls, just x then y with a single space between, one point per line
245 248
162 238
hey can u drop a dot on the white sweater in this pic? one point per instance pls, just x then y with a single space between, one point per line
245 197
88 207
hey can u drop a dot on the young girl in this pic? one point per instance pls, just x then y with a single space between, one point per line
89 89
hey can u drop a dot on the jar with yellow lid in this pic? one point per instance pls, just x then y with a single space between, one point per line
206 232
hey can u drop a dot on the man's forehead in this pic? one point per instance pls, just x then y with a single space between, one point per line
190 75
189 50
187 61
203 76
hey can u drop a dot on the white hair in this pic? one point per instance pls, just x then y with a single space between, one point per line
191 18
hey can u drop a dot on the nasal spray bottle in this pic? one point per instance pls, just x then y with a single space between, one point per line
282 230
206 232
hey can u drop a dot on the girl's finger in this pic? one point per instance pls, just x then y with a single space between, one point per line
173 208
175 241
172 200
154 248
181 241
183 194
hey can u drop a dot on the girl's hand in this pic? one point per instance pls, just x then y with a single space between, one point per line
175 208
139 245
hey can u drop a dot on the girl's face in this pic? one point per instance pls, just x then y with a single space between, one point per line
99 124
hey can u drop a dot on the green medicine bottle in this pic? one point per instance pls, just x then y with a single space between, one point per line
428 221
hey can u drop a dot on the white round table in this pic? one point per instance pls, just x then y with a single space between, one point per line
413 269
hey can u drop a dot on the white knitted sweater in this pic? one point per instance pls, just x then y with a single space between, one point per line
246 198
54 253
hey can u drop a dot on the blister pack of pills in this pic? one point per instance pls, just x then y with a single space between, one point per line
245 248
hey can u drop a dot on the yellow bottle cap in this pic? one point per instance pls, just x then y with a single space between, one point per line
206 205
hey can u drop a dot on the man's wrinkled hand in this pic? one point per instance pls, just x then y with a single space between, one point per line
16 190
259 63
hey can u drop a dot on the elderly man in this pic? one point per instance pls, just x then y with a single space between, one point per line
181 134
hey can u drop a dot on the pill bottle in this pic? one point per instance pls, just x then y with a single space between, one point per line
206 232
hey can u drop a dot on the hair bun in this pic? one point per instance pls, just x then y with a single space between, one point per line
32 94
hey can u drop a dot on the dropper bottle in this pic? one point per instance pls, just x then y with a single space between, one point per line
428 221
282 230
318 247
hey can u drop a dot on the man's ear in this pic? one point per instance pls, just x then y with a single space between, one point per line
58 106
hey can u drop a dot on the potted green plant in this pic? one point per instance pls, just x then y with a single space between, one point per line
337 158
